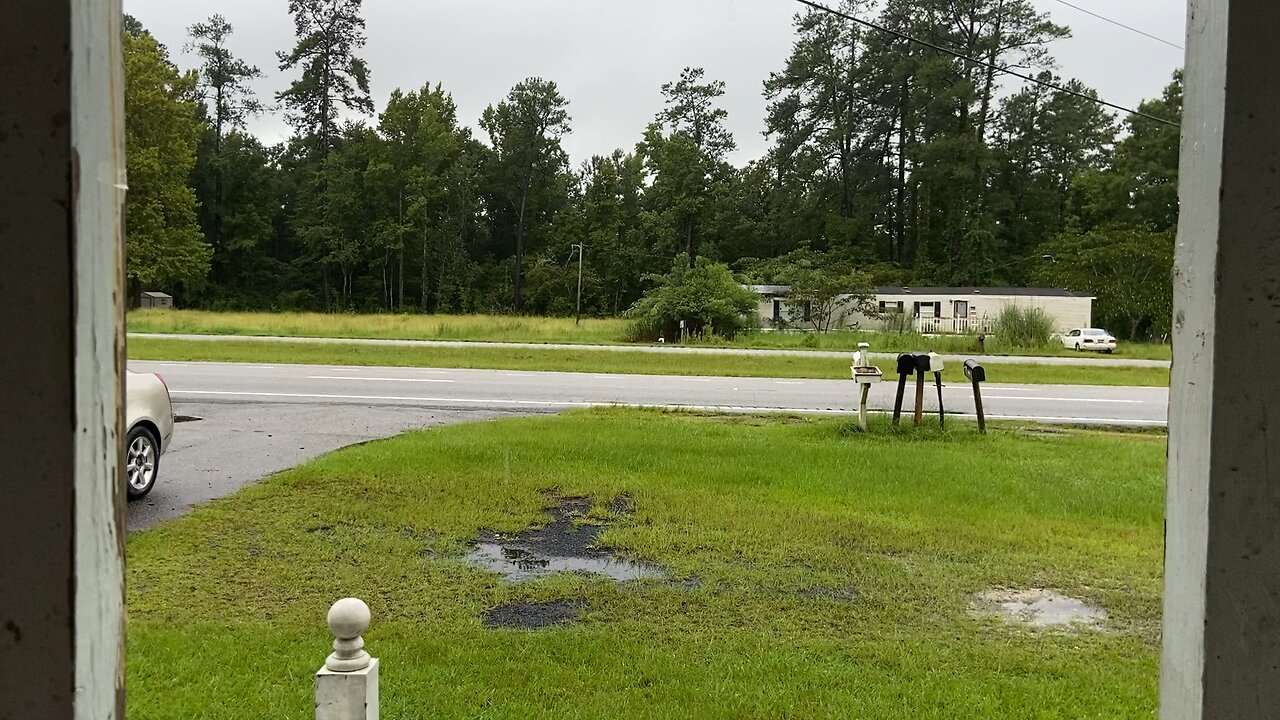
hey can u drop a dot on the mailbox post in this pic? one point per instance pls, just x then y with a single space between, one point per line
906 368
922 365
930 363
977 375
865 375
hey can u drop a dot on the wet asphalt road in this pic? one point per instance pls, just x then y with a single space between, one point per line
261 419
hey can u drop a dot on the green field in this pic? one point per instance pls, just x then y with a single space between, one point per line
596 361
489 328
812 571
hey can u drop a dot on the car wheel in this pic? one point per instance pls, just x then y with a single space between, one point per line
141 462
1110 352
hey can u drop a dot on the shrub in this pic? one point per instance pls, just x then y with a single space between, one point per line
706 297
1024 327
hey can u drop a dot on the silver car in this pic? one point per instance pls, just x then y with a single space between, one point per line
149 417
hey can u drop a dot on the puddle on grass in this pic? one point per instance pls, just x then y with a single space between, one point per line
562 546
531 616
1042 608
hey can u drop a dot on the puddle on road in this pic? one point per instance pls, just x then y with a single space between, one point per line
531 616
1042 608
562 546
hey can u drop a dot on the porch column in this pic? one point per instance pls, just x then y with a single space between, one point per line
61 188
1222 595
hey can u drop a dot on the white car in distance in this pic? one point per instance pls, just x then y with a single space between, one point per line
1090 339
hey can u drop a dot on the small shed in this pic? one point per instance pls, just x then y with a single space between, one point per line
156 300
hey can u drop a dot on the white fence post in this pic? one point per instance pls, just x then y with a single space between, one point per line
347 685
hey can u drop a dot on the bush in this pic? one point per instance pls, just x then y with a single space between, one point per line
1024 327
706 297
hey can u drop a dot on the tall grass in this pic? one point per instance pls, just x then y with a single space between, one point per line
478 328
1023 327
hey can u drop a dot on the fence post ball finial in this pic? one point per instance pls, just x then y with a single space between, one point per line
348 621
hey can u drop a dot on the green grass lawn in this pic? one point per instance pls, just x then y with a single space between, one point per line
595 361
611 331
478 328
227 605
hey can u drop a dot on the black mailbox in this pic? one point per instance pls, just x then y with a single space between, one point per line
906 368
977 375
906 364
974 372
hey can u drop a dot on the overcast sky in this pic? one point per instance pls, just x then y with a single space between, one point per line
609 57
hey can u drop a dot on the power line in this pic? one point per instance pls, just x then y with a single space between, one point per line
1117 23
983 63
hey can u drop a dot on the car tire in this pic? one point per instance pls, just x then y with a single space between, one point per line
1077 347
1109 352
141 462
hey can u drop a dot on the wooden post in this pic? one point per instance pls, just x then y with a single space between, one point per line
919 398
977 402
942 413
347 685
1221 630
862 407
61 208
906 365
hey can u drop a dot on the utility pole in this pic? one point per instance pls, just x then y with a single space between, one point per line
581 251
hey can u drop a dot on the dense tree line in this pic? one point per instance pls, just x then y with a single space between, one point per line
890 163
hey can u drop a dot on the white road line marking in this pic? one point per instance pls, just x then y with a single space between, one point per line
1064 400
377 379
318 396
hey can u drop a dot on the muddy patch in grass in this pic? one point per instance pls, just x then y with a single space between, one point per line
567 544
531 616
1041 608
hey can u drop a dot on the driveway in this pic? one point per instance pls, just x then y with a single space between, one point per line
237 443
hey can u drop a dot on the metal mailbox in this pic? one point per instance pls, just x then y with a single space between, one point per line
919 364
977 375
